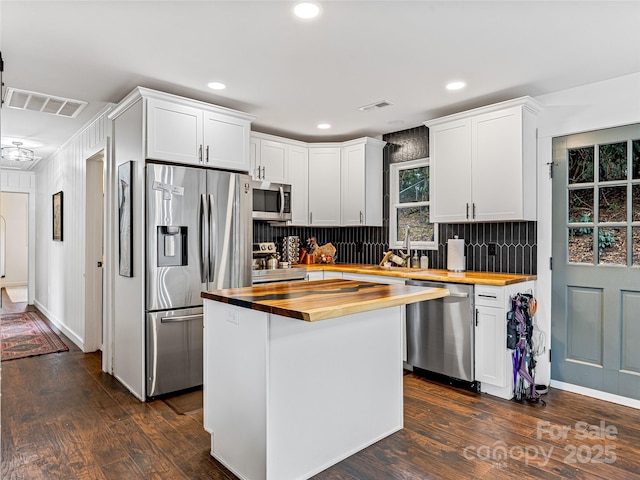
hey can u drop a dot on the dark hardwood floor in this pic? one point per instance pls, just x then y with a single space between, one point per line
63 418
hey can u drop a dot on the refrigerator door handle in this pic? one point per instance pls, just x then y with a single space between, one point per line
203 239
213 243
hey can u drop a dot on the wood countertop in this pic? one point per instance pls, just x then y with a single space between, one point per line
323 299
474 278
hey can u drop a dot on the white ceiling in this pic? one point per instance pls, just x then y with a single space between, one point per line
294 74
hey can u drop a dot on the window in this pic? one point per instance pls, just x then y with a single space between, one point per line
409 205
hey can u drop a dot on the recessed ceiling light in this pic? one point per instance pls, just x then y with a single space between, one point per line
216 85
455 85
324 126
306 10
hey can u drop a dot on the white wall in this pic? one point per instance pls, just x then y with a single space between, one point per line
14 207
60 266
595 106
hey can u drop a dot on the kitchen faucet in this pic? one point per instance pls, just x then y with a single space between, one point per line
406 245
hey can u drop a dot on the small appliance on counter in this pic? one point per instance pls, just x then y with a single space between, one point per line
290 249
268 269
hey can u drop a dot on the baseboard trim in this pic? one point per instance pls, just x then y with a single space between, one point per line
589 392
61 326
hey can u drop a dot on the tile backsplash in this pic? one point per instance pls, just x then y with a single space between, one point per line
515 242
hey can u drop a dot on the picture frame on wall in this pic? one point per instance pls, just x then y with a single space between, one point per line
57 215
125 219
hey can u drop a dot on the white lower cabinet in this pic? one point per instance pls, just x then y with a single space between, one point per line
493 364
315 275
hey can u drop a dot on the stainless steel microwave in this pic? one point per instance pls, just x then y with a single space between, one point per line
271 201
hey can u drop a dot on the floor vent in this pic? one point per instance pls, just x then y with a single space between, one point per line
41 102
375 106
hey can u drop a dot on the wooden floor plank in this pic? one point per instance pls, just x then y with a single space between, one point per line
63 418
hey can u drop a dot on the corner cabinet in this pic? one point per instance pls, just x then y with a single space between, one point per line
483 163
185 131
361 181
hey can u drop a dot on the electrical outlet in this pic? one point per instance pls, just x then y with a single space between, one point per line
492 249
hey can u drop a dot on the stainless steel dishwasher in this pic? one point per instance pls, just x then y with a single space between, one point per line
440 333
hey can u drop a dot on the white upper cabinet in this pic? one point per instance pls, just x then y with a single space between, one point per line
299 179
174 132
483 163
361 181
269 160
332 184
180 130
226 141
324 186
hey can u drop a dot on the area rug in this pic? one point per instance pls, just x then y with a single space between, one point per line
27 334
17 294
186 403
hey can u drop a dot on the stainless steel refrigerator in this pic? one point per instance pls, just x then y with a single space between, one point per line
199 237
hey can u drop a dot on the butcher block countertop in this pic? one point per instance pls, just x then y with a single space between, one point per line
474 278
323 299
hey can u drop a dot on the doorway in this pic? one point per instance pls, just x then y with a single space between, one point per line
596 260
94 251
14 245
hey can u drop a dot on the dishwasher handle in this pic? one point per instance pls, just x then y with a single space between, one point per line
458 295
417 283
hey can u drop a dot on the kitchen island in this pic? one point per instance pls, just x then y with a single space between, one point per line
299 376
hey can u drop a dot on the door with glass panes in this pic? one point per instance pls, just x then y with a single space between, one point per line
596 260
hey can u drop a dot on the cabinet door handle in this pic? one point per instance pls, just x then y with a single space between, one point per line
476 317
264 172
207 153
474 210
360 217
467 211
310 218
200 154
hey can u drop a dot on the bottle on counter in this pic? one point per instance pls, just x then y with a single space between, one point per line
415 261
424 261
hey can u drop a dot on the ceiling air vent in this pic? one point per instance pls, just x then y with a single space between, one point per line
41 102
375 106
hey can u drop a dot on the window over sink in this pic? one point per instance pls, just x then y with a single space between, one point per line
409 205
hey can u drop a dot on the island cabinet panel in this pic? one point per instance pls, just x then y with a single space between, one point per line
280 399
